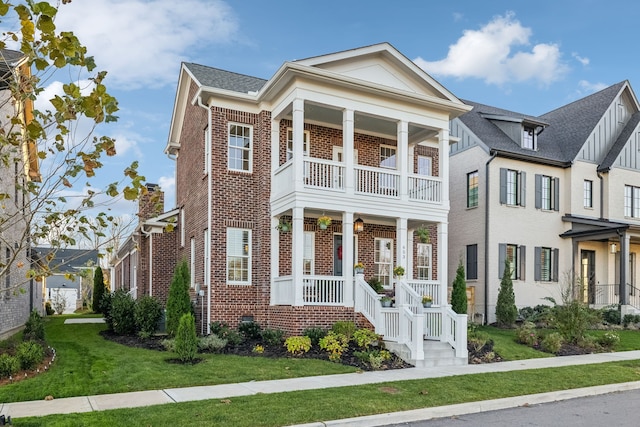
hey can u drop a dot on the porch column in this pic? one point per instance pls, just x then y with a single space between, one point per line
275 146
348 149
443 154
403 158
443 236
275 257
298 144
624 268
401 243
347 257
410 249
297 249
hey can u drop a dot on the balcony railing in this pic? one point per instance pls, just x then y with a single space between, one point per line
376 181
324 174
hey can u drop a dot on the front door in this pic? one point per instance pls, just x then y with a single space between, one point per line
337 253
588 276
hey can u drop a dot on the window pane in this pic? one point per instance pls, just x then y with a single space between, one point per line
238 254
383 260
512 257
472 189
424 261
512 187
545 264
588 191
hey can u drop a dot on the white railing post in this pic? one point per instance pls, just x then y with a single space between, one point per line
418 336
461 336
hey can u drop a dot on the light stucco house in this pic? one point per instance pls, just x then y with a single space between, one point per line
558 196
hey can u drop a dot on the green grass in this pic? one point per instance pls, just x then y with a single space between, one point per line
505 345
87 364
295 407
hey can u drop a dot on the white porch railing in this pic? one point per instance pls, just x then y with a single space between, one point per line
367 302
426 287
425 188
323 290
283 292
325 174
377 181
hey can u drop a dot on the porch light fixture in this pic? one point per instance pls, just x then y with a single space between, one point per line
614 248
358 225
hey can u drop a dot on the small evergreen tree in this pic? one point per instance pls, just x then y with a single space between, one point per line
186 343
178 302
98 290
459 291
506 310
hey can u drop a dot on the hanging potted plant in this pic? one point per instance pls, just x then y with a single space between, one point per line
324 222
284 226
398 271
423 234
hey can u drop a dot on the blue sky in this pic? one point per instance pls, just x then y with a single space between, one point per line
529 57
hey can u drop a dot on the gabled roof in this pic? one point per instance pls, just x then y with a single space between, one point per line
573 123
620 143
68 260
222 79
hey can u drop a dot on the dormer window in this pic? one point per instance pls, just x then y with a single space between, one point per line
528 137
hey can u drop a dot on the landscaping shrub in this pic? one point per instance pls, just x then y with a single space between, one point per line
34 328
105 309
298 345
609 340
335 344
48 309
373 357
178 302
186 343
30 354
273 337
147 313
526 334
611 315
98 290
365 338
169 344
122 313
211 343
376 285
223 330
344 327
573 318
459 291
476 338
552 343
539 314
629 319
250 330
9 365
506 311
315 334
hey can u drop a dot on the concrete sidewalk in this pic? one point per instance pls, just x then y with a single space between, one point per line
159 397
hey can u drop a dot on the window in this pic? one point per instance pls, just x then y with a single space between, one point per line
425 165
547 193
207 151
515 256
383 260
387 157
388 182
305 143
546 265
308 253
424 261
529 137
631 201
472 189
472 262
240 147
588 193
512 187
192 261
238 256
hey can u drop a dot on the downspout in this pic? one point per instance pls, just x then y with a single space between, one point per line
601 194
207 274
486 239
149 234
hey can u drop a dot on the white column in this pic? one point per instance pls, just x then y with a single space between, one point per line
275 256
298 143
401 243
347 257
297 253
403 158
410 245
443 235
443 173
275 146
348 149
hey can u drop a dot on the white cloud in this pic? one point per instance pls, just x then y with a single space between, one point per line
580 59
140 42
586 88
168 185
490 54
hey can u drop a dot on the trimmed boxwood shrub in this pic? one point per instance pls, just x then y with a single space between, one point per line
30 354
148 312
122 313
9 365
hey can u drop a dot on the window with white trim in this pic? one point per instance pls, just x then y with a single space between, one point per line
238 256
192 261
631 201
383 260
515 256
388 156
240 147
388 182
512 187
547 193
588 193
423 261
472 189
305 143
425 164
308 255
528 137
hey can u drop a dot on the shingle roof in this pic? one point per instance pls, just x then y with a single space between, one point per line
620 143
221 79
67 260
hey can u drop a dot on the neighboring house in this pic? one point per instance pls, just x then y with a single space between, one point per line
558 196
359 136
18 296
71 278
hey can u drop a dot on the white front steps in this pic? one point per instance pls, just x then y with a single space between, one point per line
436 353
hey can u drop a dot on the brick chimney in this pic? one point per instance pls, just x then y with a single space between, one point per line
152 203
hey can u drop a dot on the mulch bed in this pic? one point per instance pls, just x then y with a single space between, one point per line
246 348
29 373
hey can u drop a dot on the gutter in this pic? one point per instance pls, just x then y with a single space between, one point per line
486 238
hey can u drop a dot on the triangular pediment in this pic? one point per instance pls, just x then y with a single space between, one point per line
381 65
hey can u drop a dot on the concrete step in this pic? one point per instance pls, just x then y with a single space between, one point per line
436 353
